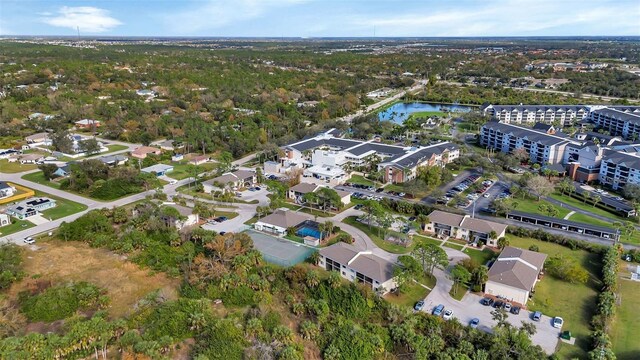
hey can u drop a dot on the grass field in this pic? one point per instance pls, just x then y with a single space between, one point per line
181 170
373 234
15 167
531 206
425 114
587 207
125 282
16 225
575 303
626 327
359 179
481 257
63 207
38 177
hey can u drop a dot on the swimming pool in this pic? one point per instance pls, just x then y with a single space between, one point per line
309 231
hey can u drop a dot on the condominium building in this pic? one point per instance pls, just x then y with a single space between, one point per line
529 114
619 168
624 121
331 158
542 146
444 224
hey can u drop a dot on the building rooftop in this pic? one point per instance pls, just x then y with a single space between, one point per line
517 268
364 262
284 218
156 168
526 133
304 188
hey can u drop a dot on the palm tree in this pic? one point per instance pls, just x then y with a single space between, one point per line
423 220
596 199
329 227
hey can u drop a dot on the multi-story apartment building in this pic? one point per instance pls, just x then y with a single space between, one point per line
542 147
622 121
619 168
529 114
331 158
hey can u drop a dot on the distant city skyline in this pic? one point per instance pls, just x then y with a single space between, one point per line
321 18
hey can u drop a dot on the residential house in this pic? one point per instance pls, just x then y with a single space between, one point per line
199 160
279 221
87 124
444 224
63 171
158 169
5 220
297 192
358 266
6 190
168 145
114 160
30 207
31 159
143 151
38 138
188 217
177 157
231 180
7 153
514 274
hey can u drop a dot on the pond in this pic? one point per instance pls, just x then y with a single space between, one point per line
400 112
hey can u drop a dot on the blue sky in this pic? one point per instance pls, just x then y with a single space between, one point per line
317 18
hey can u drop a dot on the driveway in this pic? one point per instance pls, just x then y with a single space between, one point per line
260 195
37 219
233 225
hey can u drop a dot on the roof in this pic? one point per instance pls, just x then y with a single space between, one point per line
4 185
564 222
231 177
284 218
87 122
618 114
543 108
37 136
156 168
543 127
304 188
622 159
112 158
416 156
446 218
146 150
364 262
482 226
529 134
517 268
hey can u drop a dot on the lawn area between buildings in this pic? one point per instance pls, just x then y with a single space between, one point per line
625 237
373 234
575 303
413 293
482 257
624 333
15 167
63 207
38 178
360 180
16 225
587 207
532 206
426 114
184 170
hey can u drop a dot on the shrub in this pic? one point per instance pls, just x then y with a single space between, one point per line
10 265
61 301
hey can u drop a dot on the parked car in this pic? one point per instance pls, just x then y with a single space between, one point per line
474 323
507 307
437 311
448 314
486 301
418 306
515 310
557 322
536 316
498 304
29 240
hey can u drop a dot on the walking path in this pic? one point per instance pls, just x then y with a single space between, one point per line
566 217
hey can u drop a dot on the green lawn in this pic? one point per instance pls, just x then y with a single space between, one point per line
452 245
15 167
181 170
229 214
575 303
413 292
460 290
359 179
63 207
624 333
38 177
481 257
427 239
373 234
16 225
624 237
587 207
531 206
114 148
425 114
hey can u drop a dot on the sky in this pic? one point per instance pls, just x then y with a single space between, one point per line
321 18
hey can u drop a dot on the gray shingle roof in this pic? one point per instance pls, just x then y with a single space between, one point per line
369 265
529 134
517 268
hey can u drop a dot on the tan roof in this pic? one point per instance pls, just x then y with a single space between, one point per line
446 218
370 265
231 177
304 188
37 136
342 193
284 218
30 157
146 150
243 174
483 226
517 268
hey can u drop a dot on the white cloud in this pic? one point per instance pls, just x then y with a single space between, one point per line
216 14
89 19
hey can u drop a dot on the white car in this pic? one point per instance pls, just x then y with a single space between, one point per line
507 307
29 240
173 182
487 195
557 322
448 314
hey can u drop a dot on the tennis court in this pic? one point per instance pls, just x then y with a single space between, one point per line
279 251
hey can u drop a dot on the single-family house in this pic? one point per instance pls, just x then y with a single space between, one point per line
158 169
6 190
514 274
168 145
236 179
7 153
87 124
444 224
114 160
5 220
188 218
177 157
31 159
358 266
37 138
30 207
199 159
143 151
63 171
297 192
279 221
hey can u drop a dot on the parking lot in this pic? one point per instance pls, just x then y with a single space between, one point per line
470 307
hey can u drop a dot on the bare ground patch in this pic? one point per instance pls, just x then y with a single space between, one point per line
125 282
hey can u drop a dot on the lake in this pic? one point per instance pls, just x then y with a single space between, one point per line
400 112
